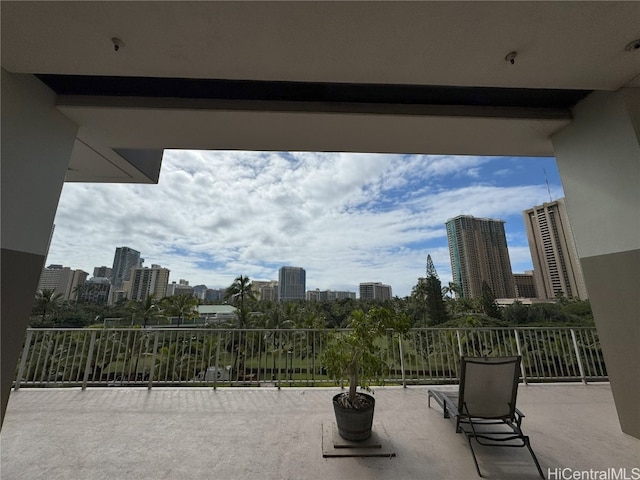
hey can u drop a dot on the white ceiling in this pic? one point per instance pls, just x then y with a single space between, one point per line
559 45
577 45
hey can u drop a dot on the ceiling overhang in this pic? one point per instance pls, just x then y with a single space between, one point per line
396 77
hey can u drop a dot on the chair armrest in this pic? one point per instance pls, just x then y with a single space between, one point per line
446 403
519 416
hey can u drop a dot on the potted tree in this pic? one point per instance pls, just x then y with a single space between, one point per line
355 357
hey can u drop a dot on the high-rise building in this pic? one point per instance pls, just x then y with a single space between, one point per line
265 289
214 294
95 290
375 291
342 295
148 281
525 285
200 291
63 280
292 283
118 295
479 253
318 295
124 260
102 272
180 288
556 266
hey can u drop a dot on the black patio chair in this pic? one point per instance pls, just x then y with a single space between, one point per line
487 397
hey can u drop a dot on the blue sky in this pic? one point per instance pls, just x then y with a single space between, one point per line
346 218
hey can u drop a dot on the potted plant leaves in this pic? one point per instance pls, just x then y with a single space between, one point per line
355 356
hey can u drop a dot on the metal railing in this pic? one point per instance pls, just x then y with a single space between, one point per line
290 357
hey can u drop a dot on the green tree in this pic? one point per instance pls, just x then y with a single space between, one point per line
241 293
516 313
274 320
79 292
338 311
452 290
145 310
184 355
462 306
428 294
418 302
181 306
579 309
561 298
47 301
548 314
488 302
436 309
72 315
354 356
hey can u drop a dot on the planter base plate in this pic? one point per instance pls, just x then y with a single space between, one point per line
333 445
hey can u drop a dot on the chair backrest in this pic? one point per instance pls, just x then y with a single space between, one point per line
489 386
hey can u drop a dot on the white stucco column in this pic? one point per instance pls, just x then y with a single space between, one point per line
598 157
37 141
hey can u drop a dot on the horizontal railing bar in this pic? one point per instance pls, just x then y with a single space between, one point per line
296 329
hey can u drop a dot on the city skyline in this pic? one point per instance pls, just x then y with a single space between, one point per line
345 218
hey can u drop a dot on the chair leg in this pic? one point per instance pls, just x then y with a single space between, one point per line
535 459
475 460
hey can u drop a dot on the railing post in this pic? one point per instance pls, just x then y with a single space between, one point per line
404 380
523 371
23 360
459 342
215 376
153 360
279 360
87 367
313 357
575 347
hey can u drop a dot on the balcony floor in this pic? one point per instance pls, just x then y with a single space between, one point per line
264 433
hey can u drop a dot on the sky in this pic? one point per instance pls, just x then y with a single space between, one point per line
345 218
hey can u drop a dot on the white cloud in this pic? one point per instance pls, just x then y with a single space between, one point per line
346 218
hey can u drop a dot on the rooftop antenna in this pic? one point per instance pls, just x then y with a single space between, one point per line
547 182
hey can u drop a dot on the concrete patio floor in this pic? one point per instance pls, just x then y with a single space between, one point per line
265 433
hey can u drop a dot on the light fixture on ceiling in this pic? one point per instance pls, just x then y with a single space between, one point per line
511 57
117 43
633 46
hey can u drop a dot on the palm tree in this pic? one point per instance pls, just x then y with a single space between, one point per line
182 306
240 292
274 320
147 309
79 291
453 290
47 300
